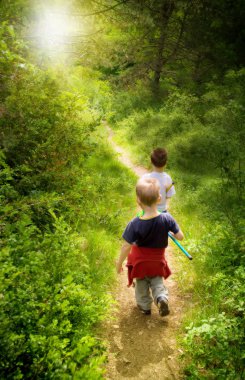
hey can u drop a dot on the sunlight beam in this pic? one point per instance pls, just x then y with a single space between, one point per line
55 28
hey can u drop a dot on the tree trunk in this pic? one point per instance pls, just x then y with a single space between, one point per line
164 17
159 59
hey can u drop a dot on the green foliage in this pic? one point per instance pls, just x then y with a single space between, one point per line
130 100
216 344
204 135
55 122
89 84
55 126
12 63
195 129
46 308
215 347
62 197
214 340
56 271
188 44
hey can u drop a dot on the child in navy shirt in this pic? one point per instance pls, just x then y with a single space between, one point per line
146 238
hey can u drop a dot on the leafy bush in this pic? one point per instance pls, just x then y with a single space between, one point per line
215 348
54 280
61 196
46 309
216 344
132 99
54 125
202 133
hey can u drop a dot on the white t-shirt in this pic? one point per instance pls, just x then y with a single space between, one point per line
167 189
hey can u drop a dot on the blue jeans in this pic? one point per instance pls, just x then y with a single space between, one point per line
149 289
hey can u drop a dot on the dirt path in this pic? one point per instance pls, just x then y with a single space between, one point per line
139 346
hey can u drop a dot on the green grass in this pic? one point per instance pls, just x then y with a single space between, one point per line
209 213
57 268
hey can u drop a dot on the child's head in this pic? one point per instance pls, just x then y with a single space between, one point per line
148 191
159 157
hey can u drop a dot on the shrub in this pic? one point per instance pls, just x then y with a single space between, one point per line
215 349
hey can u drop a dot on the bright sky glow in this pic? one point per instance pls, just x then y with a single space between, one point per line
55 30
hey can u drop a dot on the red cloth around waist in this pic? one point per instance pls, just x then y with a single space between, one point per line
148 262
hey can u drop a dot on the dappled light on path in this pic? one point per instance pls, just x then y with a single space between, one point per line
123 155
142 347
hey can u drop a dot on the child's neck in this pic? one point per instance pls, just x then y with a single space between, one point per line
158 170
150 211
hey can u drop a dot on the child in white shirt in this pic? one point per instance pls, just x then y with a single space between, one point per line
159 158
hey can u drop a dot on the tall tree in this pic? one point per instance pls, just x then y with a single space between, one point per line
153 39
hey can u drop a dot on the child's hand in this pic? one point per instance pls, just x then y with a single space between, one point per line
119 267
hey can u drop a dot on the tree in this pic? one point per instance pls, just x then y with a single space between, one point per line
157 39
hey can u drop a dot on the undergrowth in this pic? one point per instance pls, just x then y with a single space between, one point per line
57 267
63 204
203 137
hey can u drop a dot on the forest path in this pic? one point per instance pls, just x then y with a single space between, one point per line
142 347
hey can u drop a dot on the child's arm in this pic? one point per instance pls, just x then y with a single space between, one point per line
125 250
179 235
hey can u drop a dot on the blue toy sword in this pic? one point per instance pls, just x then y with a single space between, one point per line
180 246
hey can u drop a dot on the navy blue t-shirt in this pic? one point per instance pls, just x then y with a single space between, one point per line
152 233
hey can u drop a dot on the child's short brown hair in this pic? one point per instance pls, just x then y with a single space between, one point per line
148 191
159 157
